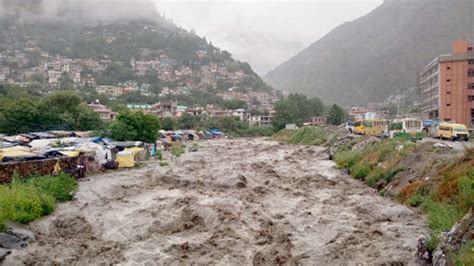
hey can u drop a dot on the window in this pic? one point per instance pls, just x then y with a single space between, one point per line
448 80
448 68
472 116
448 104
470 98
470 72
470 86
448 92
471 62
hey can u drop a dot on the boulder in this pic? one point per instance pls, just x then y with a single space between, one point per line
4 253
20 231
451 242
11 242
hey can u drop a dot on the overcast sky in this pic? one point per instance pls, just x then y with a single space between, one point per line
264 33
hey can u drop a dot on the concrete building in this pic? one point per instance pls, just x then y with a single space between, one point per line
105 113
165 108
316 121
241 114
260 120
446 85
357 113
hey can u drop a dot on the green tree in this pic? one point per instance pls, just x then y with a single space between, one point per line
336 115
65 82
296 108
167 123
64 110
188 121
20 116
135 126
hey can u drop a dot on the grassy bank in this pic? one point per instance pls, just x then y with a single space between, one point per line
24 201
377 163
444 190
445 198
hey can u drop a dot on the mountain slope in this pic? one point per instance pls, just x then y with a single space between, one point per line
378 55
31 40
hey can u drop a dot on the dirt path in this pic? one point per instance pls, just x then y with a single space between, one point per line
234 202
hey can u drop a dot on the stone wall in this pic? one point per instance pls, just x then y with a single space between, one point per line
40 167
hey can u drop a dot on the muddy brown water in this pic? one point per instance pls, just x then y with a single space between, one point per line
234 202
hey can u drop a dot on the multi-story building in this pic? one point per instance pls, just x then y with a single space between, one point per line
446 85
110 90
260 120
105 113
4 72
165 108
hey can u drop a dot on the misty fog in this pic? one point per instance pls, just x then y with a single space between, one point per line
261 32
81 10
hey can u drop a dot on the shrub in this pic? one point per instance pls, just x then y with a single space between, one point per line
62 187
465 197
374 176
309 136
284 135
2 219
159 154
24 203
347 158
177 149
465 256
441 216
360 171
415 200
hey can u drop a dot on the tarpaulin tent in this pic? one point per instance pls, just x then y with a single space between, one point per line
139 153
127 144
71 153
16 151
125 159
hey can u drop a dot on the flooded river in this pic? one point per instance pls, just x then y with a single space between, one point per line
233 202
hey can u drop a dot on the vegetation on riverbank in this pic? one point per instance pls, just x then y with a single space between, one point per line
24 201
445 198
375 162
323 136
444 190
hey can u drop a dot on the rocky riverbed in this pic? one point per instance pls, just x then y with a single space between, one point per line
233 202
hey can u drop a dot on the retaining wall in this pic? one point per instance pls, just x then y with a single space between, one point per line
40 167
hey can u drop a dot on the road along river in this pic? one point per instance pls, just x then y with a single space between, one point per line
233 202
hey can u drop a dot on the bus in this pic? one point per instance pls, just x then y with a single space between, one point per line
359 128
375 127
408 128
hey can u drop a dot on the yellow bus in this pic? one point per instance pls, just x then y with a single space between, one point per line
359 128
453 131
376 127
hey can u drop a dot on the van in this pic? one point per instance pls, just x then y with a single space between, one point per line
453 132
350 127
